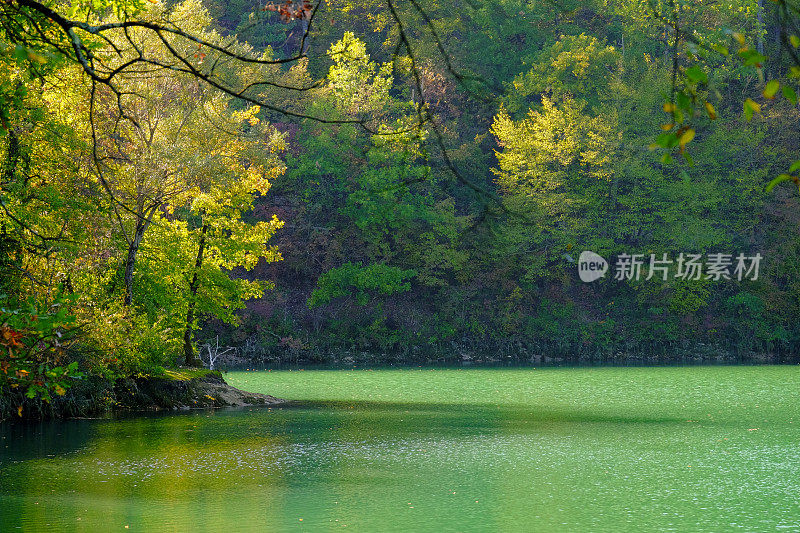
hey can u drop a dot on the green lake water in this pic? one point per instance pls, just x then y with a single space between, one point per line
595 449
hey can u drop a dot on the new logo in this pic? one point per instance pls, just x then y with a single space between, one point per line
591 266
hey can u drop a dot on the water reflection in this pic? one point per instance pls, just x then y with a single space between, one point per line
383 466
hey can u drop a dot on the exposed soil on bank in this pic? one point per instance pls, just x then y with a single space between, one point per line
175 390
209 390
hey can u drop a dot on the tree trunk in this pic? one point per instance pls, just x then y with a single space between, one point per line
13 153
304 36
760 17
130 261
188 345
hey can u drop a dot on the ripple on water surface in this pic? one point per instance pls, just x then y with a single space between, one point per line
444 450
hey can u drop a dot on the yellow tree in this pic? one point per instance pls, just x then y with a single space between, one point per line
191 254
168 137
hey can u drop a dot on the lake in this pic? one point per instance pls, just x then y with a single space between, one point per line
579 449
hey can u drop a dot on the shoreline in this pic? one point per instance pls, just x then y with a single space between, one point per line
180 389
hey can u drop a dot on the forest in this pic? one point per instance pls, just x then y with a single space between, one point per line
368 182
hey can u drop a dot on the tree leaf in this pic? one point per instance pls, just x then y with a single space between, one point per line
751 57
795 166
721 49
712 113
687 137
684 102
771 89
780 179
37 58
789 94
667 140
750 107
696 74
20 53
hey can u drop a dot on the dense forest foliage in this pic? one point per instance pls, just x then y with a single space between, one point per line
377 181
